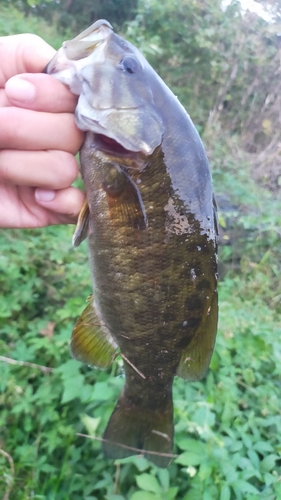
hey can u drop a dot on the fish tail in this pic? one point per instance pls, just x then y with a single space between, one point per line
133 430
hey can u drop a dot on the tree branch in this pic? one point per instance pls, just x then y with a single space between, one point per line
44 369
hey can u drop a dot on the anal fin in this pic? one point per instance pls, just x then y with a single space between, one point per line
91 341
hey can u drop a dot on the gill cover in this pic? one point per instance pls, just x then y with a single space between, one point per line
115 87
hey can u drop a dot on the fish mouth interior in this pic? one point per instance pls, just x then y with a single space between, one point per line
110 145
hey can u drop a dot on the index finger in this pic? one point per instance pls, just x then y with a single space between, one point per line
50 95
23 54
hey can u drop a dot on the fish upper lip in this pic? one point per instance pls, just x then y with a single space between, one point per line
91 37
94 27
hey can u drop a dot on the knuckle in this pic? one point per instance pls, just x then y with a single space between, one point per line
68 167
4 166
10 132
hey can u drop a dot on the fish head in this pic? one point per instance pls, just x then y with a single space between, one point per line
116 88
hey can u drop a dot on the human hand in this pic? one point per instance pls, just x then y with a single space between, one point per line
38 139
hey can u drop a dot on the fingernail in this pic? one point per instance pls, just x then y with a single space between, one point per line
18 89
44 194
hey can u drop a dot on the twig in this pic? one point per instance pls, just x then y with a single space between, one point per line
116 481
44 369
133 366
248 387
12 466
138 450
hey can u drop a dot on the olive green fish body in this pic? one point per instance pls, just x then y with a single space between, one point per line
152 235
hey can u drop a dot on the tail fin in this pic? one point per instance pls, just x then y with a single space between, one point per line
132 430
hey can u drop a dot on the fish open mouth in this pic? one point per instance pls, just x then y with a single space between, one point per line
110 145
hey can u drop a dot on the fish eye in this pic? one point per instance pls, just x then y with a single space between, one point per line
130 64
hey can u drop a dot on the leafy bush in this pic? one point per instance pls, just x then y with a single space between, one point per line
227 427
223 65
13 21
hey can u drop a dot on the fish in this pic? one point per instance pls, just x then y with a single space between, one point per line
150 219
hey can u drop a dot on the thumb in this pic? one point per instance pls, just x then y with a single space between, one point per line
23 54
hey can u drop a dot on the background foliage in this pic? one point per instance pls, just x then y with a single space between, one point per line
225 68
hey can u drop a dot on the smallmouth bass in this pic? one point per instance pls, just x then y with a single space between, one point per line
150 221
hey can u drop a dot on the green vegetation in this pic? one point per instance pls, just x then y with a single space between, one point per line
228 426
76 14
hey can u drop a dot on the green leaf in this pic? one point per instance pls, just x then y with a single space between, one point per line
115 497
205 470
263 446
204 417
189 458
91 424
164 478
144 495
254 459
245 487
49 469
140 462
191 444
196 454
225 492
171 493
102 391
148 482
193 494
268 463
69 369
72 388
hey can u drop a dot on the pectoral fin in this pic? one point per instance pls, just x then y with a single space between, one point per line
196 357
82 229
124 199
91 341
127 208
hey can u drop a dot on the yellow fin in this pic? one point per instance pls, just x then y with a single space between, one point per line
91 341
196 357
82 229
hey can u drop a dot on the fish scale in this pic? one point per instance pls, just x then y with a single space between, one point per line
150 221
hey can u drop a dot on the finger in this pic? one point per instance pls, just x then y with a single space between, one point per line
4 101
21 209
23 54
40 93
45 169
29 130
64 206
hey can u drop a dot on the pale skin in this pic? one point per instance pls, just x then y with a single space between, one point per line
38 139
